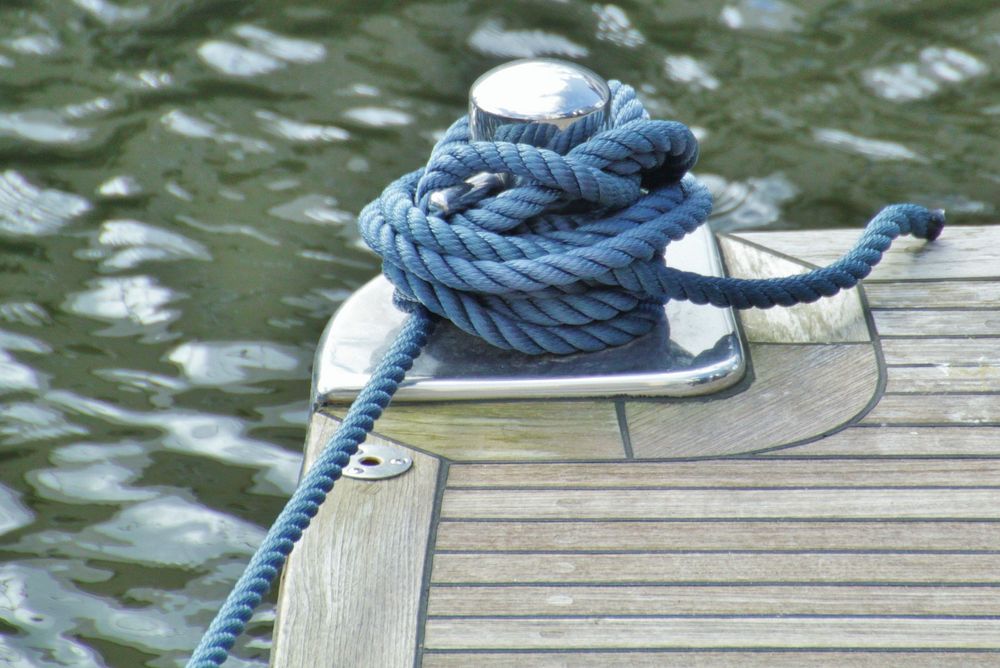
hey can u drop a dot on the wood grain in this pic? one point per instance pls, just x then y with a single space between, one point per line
954 352
967 252
943 379
629 504
716 568
739 473
709 659
933 322
939 294
840 381
513 430
637 633
911 441
351 589
607 601
942 409
695 536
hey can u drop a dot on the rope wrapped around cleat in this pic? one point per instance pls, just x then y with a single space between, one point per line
570 257
567 259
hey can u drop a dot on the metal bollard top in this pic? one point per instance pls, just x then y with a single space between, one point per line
539 101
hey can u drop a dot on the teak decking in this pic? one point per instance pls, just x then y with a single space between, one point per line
840 507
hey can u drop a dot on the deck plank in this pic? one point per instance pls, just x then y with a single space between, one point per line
627 504
909 441
967 252
723 473
937 323
780 567
841 381
343 570
678 600
938 295
712 659
707 632
936 409
971 352
511 430
943 379
715 535
874 543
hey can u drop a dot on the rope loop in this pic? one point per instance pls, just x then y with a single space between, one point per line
569 256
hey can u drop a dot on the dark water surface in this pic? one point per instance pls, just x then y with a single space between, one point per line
178 186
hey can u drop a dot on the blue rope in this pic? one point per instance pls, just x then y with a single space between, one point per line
267 561
532 269
523 271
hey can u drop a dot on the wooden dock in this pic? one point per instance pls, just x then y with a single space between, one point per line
840 507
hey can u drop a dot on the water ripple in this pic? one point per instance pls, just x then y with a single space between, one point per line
133 304
109 13
378 117
753 203
34 45
216 437
613 25
315 209
763 15
124 244
26 422
686 70
492 39
27 210
935 68
222 363
876 149
120 187
236 60
298 131
13 514
289 49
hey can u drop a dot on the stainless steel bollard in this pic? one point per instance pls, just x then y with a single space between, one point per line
547 103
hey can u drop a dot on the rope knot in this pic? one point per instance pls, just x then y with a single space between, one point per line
568 255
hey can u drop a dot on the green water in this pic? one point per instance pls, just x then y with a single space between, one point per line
178 184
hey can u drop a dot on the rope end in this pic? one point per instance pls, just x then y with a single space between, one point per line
935 225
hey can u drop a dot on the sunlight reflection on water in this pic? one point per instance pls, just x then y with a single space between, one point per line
177 202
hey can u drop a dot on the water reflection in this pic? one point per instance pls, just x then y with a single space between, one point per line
26 209
177 197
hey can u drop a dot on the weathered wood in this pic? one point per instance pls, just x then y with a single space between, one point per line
700 536
966 252
350 595
858 503
513 430
915 441
715 568
931 322
840 382
939 294
710 659
636 633
955 352
942 409
839 319
608 601
880 534
721 473
943 379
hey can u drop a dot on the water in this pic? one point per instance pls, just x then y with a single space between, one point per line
178 183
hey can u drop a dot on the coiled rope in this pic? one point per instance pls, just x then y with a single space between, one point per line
530 269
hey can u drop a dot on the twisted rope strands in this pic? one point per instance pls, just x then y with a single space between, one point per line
267 561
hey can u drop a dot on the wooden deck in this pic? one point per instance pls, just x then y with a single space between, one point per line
841 507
